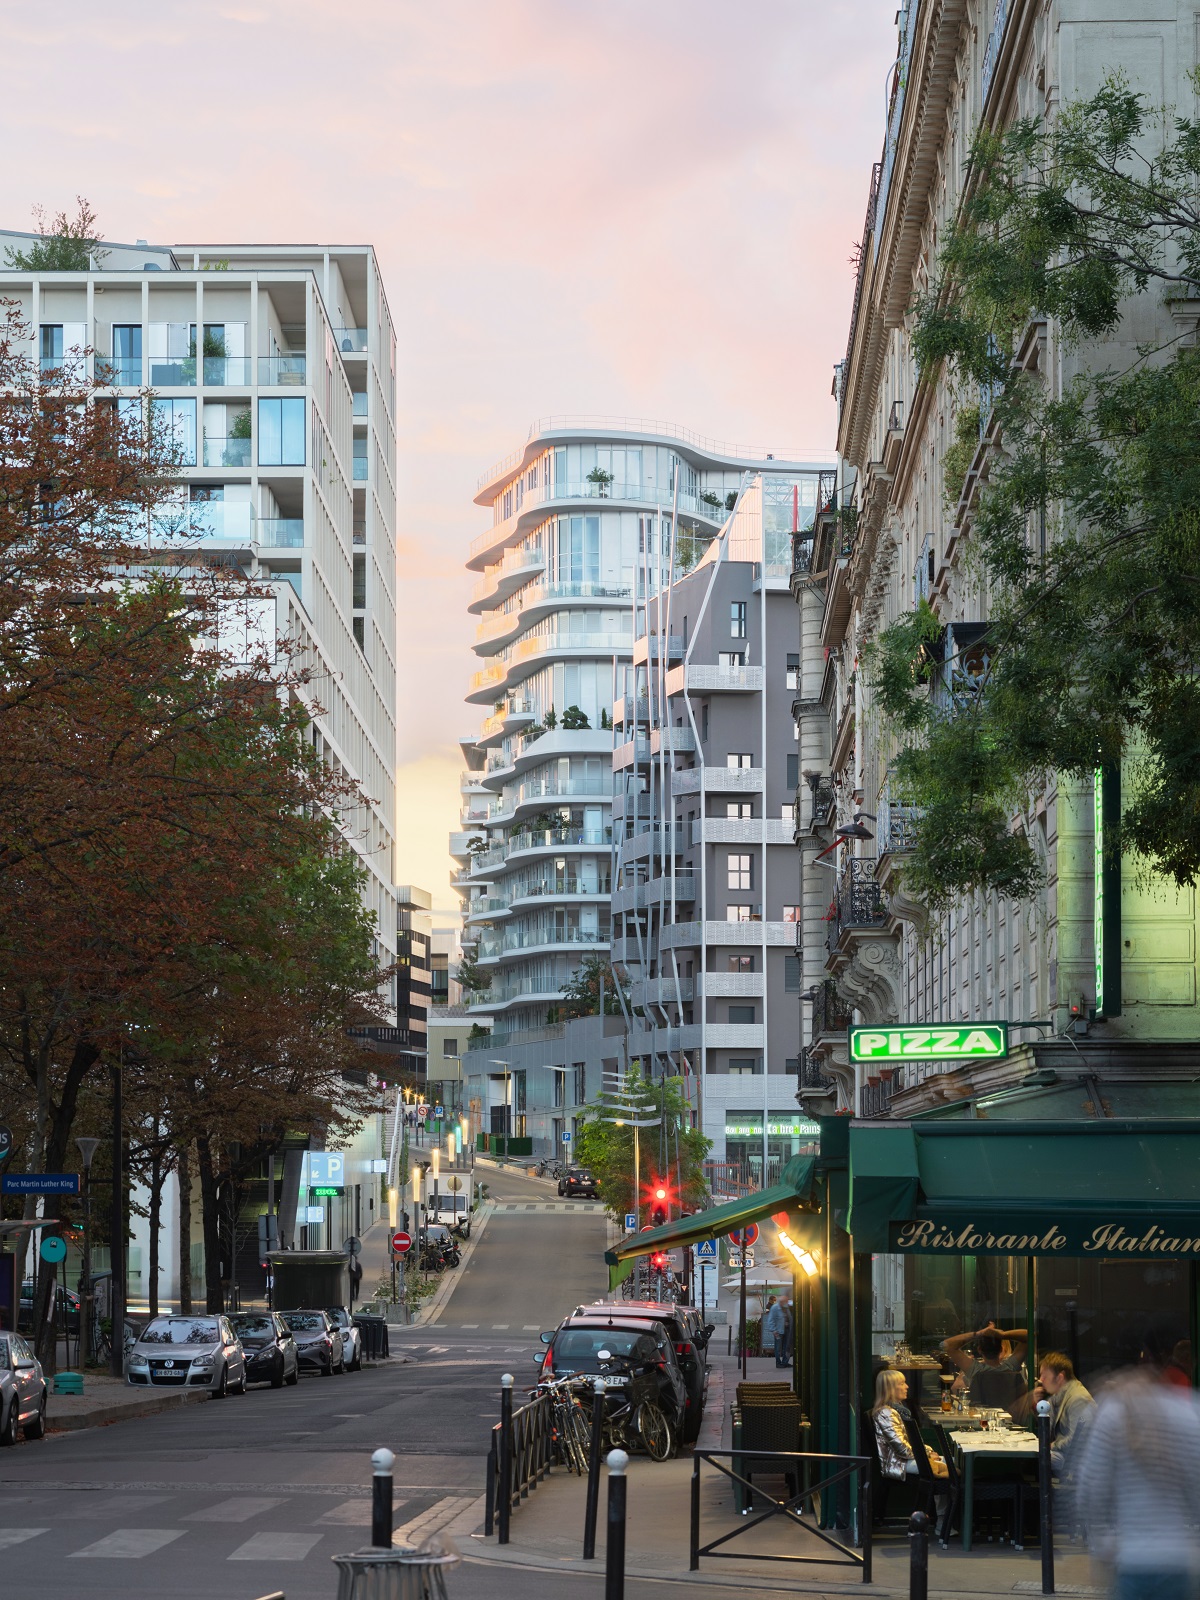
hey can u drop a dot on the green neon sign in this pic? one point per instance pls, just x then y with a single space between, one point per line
969 1041
1098 901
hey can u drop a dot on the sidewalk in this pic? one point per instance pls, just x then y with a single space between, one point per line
547 1533
106 1399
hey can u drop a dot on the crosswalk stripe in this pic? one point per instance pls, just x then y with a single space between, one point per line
352 1514
239 1510
276 1547
11 1536
130 1544
435 1518
500 1327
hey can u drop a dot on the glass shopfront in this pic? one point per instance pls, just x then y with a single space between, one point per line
761 1147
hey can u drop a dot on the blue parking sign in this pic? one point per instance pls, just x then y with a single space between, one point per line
631 1222
566 1138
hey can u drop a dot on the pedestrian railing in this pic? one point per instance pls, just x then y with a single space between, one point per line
519 1457
836 1469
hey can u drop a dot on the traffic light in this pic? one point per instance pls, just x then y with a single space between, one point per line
660 1202
658 1261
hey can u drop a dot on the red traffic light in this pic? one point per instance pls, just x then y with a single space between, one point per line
660 1193
658 1261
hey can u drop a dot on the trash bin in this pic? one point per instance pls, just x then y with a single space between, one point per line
399 1574
374 1335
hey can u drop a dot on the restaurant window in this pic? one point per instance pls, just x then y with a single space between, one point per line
1099 1312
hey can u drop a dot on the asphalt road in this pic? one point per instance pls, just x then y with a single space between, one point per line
235 1499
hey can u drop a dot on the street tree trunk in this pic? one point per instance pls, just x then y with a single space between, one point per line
184 1170
157 1177
210 1214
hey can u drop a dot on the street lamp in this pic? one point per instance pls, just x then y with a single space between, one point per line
87 1150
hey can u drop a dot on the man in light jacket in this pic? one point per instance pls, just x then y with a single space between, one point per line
775 1328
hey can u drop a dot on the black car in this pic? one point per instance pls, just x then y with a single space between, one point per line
689 1334
271 1355
579 1184
645 1361
66 1308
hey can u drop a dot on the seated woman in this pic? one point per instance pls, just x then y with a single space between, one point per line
889 1413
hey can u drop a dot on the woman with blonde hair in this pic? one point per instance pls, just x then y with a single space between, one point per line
889 1414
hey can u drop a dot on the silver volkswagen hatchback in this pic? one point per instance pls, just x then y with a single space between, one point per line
197 1352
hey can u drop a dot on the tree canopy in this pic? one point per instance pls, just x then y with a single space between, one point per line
1084 508
674 1151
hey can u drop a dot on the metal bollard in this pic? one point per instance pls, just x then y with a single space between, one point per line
382 1463
593 1484
918 1550
506 1442
1045 1496
614 1553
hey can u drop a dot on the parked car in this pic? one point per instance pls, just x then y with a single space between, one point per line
269 1348
579 1184
645 1360
318 1341
196 1352
66 1306
22 1390
352 1341
689 1335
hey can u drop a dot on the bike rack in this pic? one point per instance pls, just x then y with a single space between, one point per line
526 1461
841 1468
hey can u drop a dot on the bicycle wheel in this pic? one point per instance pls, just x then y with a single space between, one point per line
653 1430
580 1436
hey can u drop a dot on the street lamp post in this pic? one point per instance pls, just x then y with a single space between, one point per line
87 1150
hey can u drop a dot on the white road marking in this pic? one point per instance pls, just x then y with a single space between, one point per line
276 1547
530 1327
130 1544
11 1536
501 1327
239 1510
353 1514
469 1324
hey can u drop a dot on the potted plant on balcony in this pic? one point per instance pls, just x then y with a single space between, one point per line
708 498
551 718
574 719
601 479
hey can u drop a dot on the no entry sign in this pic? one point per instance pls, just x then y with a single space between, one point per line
401 1243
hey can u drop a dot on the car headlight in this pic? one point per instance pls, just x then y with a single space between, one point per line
204 1361
138 1363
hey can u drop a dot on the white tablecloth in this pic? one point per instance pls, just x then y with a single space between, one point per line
997 1442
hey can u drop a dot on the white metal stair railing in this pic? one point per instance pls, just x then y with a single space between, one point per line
397 1121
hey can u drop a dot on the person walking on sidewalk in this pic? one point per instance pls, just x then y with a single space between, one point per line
789 1329
775 1328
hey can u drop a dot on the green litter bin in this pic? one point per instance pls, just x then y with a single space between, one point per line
68 1383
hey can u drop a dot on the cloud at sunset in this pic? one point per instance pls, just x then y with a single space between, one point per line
641 208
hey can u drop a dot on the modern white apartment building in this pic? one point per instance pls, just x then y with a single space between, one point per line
275 368
706 901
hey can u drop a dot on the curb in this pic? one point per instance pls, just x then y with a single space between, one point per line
102 1416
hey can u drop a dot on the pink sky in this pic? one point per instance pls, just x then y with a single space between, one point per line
622 207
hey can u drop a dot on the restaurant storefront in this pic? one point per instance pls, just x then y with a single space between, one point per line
1071 1215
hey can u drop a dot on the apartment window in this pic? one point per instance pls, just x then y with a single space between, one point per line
791 974
704 724
449 1047
560 1086
737 759
731 658
738 913
741 1016
742 1067
126 360
737 619
741 963
281 433
739 809
793 672
793 772
175 427
360 583
579 1072
357 623
739 872
791 913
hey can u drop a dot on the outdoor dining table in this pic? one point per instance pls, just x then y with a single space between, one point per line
996 1444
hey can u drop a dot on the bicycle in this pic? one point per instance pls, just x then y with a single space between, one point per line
569 1421
630 1424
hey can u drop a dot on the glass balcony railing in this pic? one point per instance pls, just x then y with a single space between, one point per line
121 372
72 366
282 371
351 341
360 403
172 372
227 371
281 533
229 520
226 452
360 469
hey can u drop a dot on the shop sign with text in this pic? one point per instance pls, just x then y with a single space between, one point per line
969 1041
1092 1235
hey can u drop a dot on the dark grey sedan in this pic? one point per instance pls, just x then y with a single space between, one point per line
318 1341
271 1355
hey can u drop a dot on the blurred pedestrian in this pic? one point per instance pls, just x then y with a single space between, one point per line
1137 1485
775 1328
789 1329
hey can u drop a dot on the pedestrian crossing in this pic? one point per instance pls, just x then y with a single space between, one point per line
592 1206
338 1528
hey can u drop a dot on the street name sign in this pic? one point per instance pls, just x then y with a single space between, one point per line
968 1041
402 1243
40 1183
706 1250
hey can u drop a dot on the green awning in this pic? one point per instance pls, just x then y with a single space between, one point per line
1109 1187
795 1188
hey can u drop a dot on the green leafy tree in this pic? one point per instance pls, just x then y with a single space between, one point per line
1086 533
581 993
472 978
66 244
675 1151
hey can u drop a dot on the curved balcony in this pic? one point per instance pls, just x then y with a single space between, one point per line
543 794
506 577
527 655
521 940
